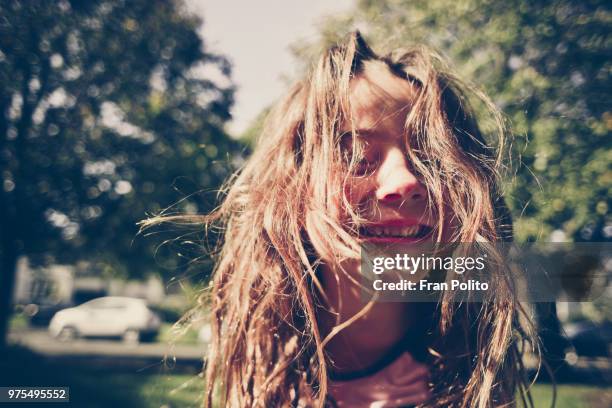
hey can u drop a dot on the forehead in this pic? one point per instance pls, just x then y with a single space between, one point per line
379 98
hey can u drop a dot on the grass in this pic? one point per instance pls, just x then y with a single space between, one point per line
97 389
572 396
167 334
18 321
172 390
89 388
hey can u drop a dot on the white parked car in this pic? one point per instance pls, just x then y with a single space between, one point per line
111 316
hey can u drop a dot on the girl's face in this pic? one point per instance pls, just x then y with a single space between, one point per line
385 189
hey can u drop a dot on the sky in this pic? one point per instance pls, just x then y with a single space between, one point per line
255 36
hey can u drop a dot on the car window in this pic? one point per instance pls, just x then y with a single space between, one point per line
107 303
96 303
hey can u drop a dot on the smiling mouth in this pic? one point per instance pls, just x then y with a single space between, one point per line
416 231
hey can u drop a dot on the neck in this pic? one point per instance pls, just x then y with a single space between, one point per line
376 330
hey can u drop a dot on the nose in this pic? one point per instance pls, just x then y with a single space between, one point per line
396 182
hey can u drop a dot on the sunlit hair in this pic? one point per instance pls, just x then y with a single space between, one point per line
267 349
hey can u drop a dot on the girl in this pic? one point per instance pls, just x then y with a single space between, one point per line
364 149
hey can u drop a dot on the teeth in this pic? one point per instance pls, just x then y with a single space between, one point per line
408 231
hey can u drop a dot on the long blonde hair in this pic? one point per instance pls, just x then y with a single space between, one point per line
267 349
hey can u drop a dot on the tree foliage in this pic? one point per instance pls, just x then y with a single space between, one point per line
103 108
547 66
104 104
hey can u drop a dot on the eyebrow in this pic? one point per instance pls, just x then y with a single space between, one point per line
346 138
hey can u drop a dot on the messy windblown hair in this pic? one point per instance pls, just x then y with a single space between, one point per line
267 349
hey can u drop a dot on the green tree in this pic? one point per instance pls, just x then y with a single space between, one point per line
104 105
547 66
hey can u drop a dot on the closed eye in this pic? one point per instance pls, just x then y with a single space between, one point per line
365 167
360 144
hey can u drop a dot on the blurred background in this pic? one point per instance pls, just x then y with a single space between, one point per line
112 111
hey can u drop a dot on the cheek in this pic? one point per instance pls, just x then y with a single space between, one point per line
357 190
317 237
